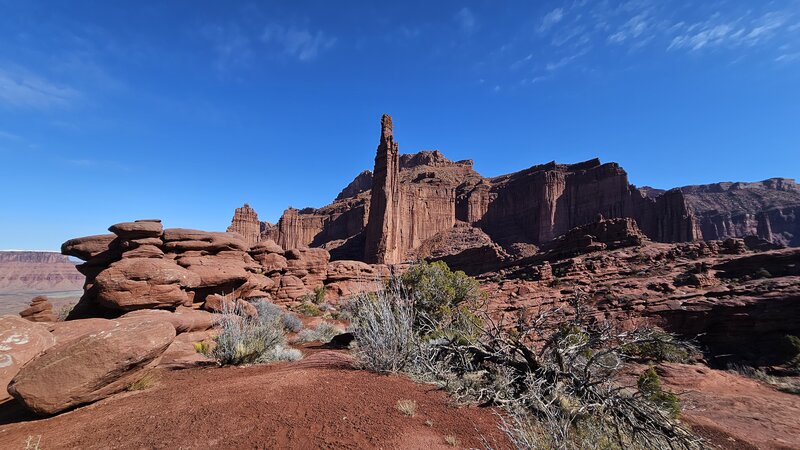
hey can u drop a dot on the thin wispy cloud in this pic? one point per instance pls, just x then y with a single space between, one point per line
631 30
739 32
466 20
302 44
20 88
550 19
572 35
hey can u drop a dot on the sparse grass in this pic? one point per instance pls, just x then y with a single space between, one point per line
147 381
32 442
202 348
324 332
789 385
429 423
451 440
407 407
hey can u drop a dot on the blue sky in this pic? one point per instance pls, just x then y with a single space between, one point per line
184 110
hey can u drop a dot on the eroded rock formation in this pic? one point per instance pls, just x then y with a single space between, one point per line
390 215
245 222
143 266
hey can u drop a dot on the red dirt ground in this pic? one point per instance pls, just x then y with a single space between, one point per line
317 402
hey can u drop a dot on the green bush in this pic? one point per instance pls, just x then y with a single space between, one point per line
444 301
308 309
792 351
657 347
650 387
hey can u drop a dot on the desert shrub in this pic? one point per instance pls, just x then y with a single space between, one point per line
444 301
323 333
650 386
556 375
282 353
659 346
268 312
146 381
202 348
382 324
791 350
319 295
244 339
308 309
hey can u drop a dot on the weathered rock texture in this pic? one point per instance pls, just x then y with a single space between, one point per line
20 342
146 267
389 215
92 366
245 222
736 302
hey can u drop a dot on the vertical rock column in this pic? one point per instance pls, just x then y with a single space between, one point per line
245 222
382 232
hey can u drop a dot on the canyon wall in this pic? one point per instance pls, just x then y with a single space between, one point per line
388 215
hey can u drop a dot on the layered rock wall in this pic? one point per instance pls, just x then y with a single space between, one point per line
387 215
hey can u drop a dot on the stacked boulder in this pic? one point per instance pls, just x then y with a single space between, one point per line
40 310
144 266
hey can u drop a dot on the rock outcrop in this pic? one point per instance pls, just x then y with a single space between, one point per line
383 227
245 222
99 363
389 215
146 267
20 342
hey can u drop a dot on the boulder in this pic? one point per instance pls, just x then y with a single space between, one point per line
40 310
144 251
185 320
223 269
219 304
88 247
20 342
266 247
92 366
272 262
138 229
308 264
291 288
182 239
140 283
71 330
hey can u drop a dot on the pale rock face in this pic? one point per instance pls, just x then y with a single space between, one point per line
92 366
20 342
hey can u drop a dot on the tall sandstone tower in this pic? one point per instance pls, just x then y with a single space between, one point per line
383 231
